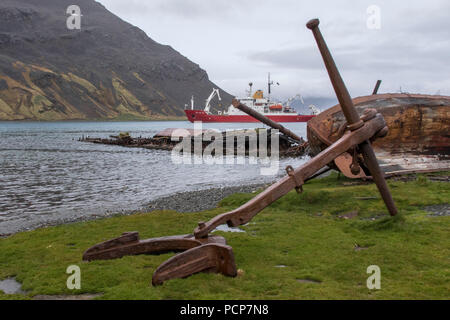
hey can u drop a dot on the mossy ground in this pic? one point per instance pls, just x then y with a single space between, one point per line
301 232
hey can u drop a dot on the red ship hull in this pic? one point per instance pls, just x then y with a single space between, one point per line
200 115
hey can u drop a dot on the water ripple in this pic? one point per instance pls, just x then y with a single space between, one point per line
46 175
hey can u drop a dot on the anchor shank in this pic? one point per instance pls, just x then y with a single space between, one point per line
336 80
378 176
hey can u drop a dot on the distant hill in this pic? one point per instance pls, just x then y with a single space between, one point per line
107 70
321 103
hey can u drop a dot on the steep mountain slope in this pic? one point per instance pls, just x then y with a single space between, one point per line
108 69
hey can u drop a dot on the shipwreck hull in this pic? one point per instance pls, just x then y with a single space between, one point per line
418 138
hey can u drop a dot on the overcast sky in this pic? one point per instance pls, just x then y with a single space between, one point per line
237 41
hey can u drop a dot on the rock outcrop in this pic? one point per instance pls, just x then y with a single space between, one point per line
108 69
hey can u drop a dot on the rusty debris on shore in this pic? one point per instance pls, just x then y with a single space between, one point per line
171 137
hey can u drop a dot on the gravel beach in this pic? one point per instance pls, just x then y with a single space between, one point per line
438 210
199 200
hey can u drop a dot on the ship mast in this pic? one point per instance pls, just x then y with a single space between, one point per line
269 85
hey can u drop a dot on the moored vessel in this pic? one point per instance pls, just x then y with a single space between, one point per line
276 111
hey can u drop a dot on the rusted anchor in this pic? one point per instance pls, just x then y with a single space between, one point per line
203 252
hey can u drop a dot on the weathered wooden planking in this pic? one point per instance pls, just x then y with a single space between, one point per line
418 138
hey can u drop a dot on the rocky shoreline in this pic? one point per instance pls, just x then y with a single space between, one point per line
200 200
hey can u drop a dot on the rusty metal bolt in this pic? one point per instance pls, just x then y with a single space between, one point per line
355 168
356 125
368 114
201 224
383 132
289 170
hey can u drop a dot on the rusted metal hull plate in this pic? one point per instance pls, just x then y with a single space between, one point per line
418 138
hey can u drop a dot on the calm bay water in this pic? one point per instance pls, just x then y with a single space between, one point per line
47 176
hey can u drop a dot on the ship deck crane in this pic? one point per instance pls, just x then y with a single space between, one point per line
211 96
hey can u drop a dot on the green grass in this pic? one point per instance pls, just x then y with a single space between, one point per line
302 232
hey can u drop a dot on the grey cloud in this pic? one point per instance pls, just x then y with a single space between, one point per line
240 41
387 56
186 9
197 9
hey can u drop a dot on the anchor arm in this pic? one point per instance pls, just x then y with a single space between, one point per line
217 258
